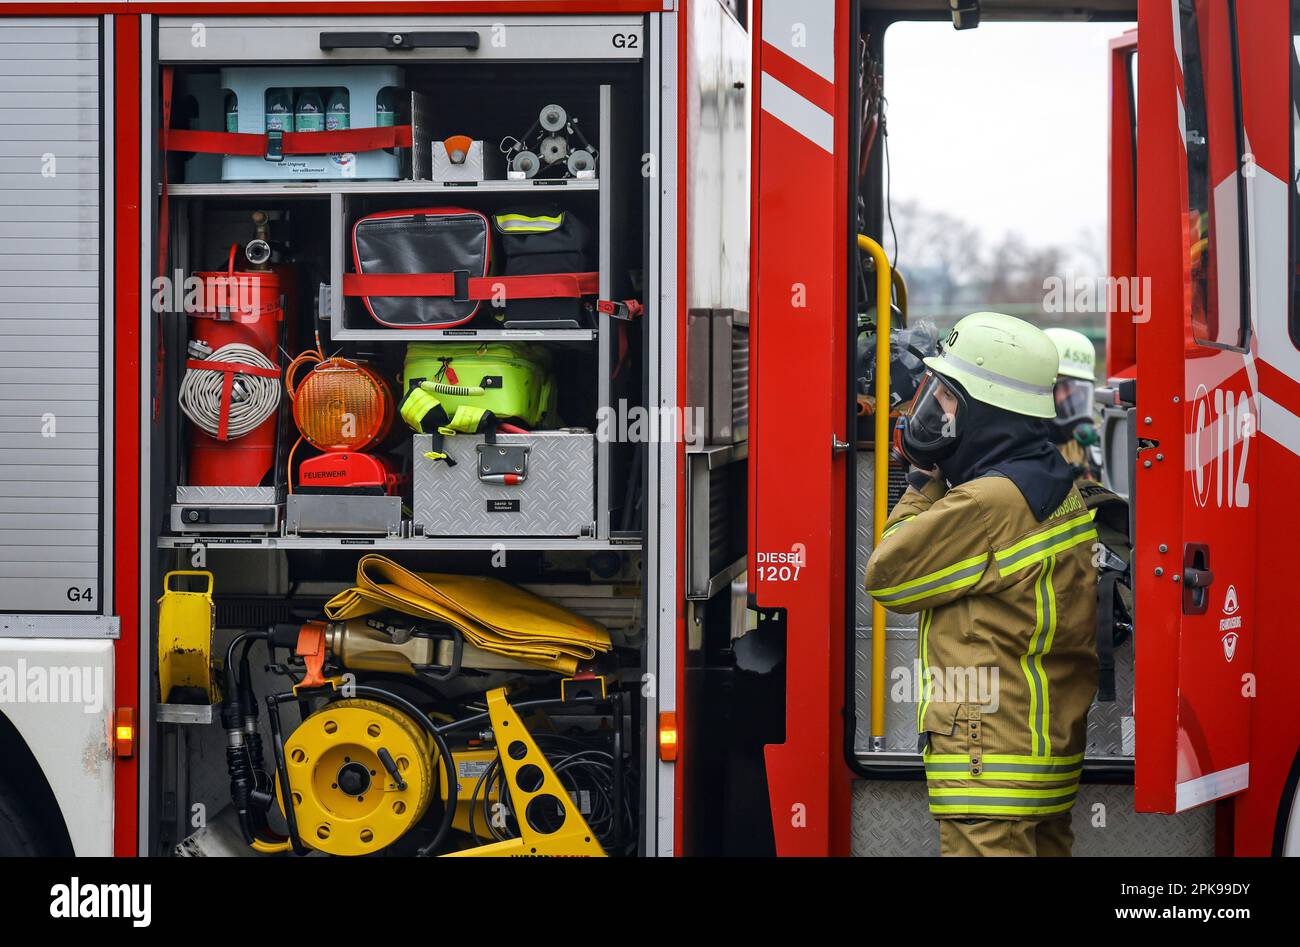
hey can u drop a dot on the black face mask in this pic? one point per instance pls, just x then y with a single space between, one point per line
996 441
931 429
1058 433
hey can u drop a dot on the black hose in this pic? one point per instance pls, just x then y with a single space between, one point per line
282 774
232 679
239 763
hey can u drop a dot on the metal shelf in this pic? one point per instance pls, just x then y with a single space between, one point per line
467 543
322 188
379 334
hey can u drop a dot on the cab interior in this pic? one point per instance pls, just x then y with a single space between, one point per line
977 204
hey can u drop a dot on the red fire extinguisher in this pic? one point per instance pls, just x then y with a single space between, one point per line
231 389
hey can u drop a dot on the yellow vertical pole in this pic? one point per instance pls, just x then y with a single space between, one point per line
880 485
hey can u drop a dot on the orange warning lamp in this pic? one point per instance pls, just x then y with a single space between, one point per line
669 743
124 732
342 406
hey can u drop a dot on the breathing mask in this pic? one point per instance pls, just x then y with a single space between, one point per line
931 429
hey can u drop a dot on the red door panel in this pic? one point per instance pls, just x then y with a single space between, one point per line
1197 470
797 382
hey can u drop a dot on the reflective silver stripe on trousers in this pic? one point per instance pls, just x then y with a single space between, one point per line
1065 769
1019 802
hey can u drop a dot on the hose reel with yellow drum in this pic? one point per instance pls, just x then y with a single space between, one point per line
362 776
361 773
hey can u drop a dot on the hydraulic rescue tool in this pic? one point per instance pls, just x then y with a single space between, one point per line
380 766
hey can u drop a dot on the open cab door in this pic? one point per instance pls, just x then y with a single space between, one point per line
1195 461
798 446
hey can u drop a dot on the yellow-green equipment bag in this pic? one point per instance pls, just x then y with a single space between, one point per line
451 385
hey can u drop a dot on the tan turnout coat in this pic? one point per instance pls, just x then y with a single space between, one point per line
1007 642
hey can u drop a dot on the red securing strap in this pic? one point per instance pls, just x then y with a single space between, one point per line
235 367
537 286
238 316
164 222
293 143
231 369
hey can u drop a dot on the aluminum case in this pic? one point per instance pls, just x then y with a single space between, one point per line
556 497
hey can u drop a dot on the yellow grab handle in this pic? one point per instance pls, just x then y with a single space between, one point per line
900 293
167 579
880 486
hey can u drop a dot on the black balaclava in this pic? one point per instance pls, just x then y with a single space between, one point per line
996 441
1058 433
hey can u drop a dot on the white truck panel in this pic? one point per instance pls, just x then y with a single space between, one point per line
58 693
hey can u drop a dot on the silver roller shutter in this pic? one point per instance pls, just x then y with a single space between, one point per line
51 321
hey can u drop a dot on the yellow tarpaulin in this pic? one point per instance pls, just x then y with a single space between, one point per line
491 614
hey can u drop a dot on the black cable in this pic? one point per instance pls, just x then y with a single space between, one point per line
444 755
232 681
889 191
248 704
240 765
579 767
542 704
282 773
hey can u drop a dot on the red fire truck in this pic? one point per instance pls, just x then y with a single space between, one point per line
1202 390
726 693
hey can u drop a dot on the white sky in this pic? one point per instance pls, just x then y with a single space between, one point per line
1004 126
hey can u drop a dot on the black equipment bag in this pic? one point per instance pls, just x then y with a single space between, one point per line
540 240
429 246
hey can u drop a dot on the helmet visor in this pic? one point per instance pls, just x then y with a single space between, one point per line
1073 401
935 418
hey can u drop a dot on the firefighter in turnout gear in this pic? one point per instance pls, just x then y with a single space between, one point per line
1074 428
992 545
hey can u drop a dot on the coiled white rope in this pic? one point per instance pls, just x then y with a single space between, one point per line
253 398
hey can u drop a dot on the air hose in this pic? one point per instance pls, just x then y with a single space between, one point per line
253 398
244 764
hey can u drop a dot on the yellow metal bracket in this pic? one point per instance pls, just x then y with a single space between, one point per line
536 793
334 682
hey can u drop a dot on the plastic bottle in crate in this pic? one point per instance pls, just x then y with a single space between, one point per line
337 116
232 112
386 109
279 110
309 115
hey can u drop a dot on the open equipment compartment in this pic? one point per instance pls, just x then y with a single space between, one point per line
278 549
